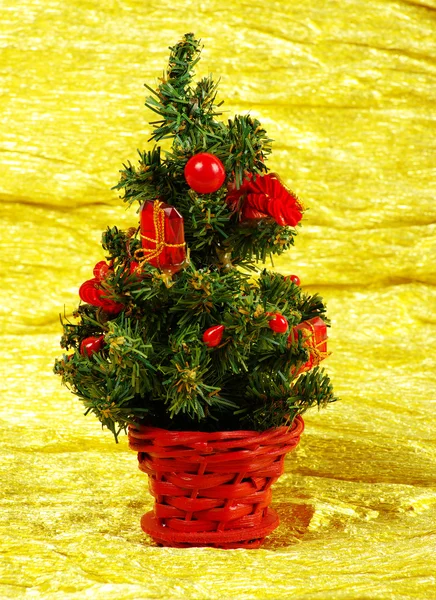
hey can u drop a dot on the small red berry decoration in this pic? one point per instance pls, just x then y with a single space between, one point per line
213 336
101 270
90 345
134 266
294 278
278 323
136 269
205 173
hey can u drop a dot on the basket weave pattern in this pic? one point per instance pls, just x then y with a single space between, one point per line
212 489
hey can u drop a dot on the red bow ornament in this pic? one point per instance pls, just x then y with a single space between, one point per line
264 197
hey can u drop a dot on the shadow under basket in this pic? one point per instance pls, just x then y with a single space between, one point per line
212 489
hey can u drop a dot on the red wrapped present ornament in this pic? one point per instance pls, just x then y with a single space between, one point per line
162 237
314 334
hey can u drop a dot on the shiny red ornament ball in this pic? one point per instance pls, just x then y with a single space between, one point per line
91 344
213 336
278 323
294 278
205 173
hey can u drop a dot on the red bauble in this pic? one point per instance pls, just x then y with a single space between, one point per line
162 237
91 344
294 278
205 173
213 336
278 323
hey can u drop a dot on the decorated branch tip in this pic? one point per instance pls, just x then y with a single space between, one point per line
179 327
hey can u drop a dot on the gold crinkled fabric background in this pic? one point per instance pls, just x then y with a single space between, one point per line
347 90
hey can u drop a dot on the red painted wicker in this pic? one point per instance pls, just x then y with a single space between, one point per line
212 489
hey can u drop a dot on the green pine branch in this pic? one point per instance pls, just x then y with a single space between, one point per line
274 399
153 365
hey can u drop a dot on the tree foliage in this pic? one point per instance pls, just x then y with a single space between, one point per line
154 366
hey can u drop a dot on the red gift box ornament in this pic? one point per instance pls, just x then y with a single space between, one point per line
314 334
162 237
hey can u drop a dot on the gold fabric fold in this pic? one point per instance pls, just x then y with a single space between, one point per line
347 90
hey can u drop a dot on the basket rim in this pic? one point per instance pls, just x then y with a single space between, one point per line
138 432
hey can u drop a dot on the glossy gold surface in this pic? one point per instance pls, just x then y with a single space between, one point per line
347 90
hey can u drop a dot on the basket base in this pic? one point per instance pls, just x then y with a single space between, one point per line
228 539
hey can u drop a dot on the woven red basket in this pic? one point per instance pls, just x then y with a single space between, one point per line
212 489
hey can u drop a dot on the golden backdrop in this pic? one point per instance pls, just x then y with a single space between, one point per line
347 90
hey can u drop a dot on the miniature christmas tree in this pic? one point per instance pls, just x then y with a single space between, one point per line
179 328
